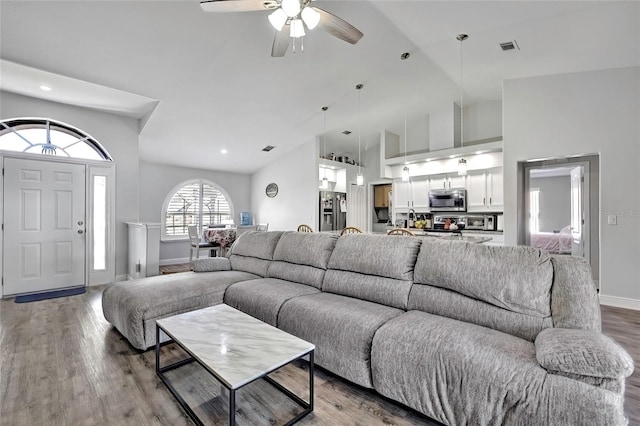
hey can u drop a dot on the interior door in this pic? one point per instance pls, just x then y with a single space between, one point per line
577 211
44 217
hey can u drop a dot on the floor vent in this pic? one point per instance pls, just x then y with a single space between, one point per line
268 148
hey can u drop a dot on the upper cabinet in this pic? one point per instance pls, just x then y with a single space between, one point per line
485 190
447 181
411 195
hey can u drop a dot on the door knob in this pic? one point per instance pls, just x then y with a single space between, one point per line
80 231
80 223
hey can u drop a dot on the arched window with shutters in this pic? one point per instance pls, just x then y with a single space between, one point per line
195 202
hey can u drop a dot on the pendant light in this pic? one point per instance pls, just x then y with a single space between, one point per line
405 170
325 181
462 163
360 177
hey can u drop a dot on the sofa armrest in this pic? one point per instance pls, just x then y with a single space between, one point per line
211 264
582 353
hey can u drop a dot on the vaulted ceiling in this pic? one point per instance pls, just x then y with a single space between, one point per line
217 86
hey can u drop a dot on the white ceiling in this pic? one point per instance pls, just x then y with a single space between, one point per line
218 87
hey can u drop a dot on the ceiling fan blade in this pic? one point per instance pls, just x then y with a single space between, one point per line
281 42
237 5
338 27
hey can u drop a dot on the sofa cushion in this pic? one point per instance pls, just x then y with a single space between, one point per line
460 373
342 328
306 248
253 251
256 244
377 268
263 298
514 278
128 305
447 303
302 257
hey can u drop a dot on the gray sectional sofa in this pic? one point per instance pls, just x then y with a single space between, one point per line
466 334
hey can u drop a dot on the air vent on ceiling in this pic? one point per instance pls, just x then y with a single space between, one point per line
510 45
268 148
346 132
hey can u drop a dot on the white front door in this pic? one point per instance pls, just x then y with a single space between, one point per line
44 225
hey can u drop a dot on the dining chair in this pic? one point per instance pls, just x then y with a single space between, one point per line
304 228
195 244
350 230
263 227
401 231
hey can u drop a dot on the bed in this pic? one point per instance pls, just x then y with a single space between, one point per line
553 242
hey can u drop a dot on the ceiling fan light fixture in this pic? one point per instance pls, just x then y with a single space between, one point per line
278 18
310 17
296 28
290 7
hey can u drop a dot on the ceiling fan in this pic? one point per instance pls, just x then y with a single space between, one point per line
289 18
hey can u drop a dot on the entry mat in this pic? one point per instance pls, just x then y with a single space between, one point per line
50 295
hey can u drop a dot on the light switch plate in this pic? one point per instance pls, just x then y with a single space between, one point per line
612 219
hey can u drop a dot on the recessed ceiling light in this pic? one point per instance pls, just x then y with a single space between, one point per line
224 151
346 132
45 88
405 56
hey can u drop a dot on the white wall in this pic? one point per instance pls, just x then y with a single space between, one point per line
296 174
582 113
117 134
555 202
158 180
482 120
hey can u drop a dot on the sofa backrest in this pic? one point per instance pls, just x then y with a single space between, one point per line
377 268
504 288
253 251
302 257
574 298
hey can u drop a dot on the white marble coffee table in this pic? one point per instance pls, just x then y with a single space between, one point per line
236 349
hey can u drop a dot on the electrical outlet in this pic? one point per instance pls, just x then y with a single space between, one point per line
612 219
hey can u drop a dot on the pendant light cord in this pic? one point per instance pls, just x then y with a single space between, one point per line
405 138
461 38
359 88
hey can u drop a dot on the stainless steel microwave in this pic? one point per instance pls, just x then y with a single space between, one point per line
448 200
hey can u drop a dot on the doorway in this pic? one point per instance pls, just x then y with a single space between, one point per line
560 208
44 225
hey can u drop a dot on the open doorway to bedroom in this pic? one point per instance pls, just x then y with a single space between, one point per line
560 207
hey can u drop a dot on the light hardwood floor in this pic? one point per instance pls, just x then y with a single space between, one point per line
61 363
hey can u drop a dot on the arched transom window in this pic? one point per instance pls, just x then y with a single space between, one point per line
197 203
47 137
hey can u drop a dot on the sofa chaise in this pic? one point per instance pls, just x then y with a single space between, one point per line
466 334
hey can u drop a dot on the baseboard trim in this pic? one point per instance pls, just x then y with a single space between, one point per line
620 302
178 261
122 277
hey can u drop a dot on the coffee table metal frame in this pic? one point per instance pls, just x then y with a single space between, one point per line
308 406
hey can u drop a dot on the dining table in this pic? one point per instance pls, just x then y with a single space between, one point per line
221 236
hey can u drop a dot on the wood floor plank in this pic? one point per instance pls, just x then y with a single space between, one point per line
61 363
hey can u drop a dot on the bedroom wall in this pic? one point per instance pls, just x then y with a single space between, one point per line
572 114
555 202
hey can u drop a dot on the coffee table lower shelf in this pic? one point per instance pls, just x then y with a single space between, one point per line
307 406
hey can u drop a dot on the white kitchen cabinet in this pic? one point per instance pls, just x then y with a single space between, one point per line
447 181
485 191
420 189
402 195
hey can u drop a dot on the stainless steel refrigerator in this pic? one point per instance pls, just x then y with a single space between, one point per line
333 211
